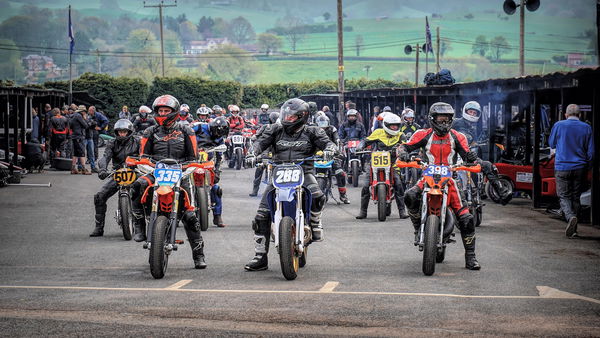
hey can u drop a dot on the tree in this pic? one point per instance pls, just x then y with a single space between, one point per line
205 26
10 61
269 43
188 31
445 47
228 62
294 30
326 16
359 42
481 46
143 41
240 30
498 47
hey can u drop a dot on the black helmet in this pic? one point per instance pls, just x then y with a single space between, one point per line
169 102
274 116
294 114
219 127
312 107
123 124
437 109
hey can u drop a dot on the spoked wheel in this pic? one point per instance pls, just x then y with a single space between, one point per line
290 262
495 195
238 158
430 249
355 172
158 255
381 202
202 207
126 221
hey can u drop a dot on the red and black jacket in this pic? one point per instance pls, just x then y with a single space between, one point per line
440 150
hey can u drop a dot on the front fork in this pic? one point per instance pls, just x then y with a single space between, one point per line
425 213
299 220
172 220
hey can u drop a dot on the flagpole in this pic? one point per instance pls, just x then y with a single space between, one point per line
70 61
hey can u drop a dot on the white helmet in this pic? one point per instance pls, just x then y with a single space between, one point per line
471 105
391 124
264 106
407 112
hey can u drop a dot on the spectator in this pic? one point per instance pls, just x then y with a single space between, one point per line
35 125
79 125
89 140
68 113
574 144
34 155
46 116
125 114
101 123
376 111
333 120
59 128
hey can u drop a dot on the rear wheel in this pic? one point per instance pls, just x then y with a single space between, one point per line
430 242
125 215
290 261
238 158
158 255
355 173
202 207
381 202
493 194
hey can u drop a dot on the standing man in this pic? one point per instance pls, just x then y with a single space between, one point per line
574 144
89 140
35 125
78 126
101 123
59 129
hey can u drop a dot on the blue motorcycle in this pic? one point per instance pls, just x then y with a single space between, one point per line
324 174
290 206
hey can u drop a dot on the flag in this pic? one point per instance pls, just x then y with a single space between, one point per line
428 46
71 35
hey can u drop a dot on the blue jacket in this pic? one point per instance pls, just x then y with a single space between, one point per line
101 120
574 144
354 131
204 137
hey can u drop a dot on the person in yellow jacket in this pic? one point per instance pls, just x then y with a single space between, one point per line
387 138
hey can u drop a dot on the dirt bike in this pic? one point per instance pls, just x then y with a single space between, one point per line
471 187
162 226
354 162
124 177
203 179
289 204
381 182
437 220
324 175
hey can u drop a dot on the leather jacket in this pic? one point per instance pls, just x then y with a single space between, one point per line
177 142
117 152
140 124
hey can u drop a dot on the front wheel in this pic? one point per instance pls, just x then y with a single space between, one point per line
381 191
287 248
158 255
202 207
125 217
238 158
355 172
430 248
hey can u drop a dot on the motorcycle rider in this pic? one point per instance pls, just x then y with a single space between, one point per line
217 111
264 116
203 114
236 124
467 125
184 113
210 135
260 169
441 145
323 122
168 139
386 138
409 126
117 150
143 120
352 129
290 140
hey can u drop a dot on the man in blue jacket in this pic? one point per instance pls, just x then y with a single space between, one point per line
574 144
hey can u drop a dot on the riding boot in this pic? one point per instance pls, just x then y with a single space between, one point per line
416 222
218 221
99 229
139 226
198 253
343 196
401 208
316 226
192 230
260 261
468 240
364 205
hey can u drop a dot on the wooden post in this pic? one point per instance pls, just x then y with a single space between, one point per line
340 32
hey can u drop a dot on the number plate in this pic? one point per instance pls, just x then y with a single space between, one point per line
237 139
380 159
288 176
124 176
353 144
441 170
164 176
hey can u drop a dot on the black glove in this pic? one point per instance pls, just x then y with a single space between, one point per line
471 157
328 155
103 174
403 155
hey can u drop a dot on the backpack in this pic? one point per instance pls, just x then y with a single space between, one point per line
443 77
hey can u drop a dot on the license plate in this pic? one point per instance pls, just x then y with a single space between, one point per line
380 159
124 176
441 170
165 176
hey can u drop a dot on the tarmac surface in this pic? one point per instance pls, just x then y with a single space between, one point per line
365 279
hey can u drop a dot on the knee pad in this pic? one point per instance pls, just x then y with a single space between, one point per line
261 226
412 199
98 200
465 223
318 203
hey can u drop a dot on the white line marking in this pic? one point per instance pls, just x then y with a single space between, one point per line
179 284
548 292
329 286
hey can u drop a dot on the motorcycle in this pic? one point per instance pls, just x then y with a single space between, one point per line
124 177
289 204
203 179
381 182
437 220
324 174
162 226
471 187
354 162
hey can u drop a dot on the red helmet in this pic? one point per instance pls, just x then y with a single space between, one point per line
169 102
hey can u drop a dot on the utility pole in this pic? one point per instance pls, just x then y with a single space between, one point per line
417 67
98 64
522 39
437 54
162 45
340 33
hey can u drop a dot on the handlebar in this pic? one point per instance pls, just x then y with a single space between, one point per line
474 168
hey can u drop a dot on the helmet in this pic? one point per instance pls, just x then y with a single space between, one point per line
273 117
264 106
185 109
166 101
471 105
312 107
294 114
322 120
203 111
387 108
219 126
351 112
123 124
217 109
233 108
144 111
391 124
441 108
407 112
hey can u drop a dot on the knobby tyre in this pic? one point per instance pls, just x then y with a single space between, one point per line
126 219
287 248
202 207
158 257
381 202
355 173
430 244
238 158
